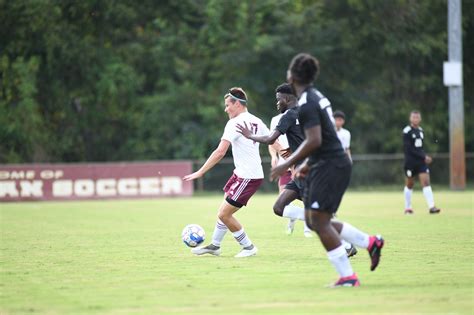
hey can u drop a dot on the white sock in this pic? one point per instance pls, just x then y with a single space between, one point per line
242 238
429 196
293 212
354 236
338 257
407 191
219 232
346 245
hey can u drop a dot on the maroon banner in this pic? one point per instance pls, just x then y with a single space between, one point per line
27 182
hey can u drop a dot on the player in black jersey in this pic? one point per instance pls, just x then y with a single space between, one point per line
288 125
326 170
416 163
287 103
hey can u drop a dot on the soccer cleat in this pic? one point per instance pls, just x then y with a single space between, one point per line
291 226
351 281
209 249
247 252
351 251
375 250
435 210
408 211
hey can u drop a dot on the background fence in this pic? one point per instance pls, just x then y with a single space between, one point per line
369 170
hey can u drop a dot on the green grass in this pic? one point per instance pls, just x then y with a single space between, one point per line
126 257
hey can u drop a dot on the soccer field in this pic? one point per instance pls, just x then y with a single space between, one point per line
126 257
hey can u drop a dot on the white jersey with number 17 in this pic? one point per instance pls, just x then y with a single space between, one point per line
247 161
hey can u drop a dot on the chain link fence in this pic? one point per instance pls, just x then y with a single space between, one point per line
369 170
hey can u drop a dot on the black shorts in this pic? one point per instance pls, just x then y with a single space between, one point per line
415 169
326 183
297 186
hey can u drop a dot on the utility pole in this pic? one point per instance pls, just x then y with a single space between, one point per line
453 80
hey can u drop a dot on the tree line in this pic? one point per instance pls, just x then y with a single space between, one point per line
107 80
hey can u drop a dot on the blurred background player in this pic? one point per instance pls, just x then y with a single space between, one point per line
416 163
278 159
327 172
343 134
246 179
345 138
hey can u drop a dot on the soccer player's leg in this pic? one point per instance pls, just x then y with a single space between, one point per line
226 214
324 189
283 207
238 195
373 243
408 190
220 231
320 221
424 177
282 182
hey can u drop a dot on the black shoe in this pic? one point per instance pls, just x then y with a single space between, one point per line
351 251
435 210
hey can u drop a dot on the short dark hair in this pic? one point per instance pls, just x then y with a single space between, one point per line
237 93
415 111
339 114
304 68
284 88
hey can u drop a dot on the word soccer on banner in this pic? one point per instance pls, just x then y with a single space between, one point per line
28 182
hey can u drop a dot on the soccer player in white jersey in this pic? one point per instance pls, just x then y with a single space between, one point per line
344 135
284 179
247 176
345 138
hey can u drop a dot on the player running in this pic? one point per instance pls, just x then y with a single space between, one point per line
416 163
285 100
288 125
327 171
247 177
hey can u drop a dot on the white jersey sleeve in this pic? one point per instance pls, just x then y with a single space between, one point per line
230 132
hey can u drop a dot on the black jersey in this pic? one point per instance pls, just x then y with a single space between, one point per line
289 126
315 109
413 145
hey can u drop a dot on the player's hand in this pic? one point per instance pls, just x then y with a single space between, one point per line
244 130
278 171
192 176
428 159
302 170
285 153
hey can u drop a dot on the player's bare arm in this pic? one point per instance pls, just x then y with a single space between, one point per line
213 159
273 154
245 131
312 142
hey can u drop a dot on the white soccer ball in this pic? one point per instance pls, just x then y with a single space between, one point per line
193 235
